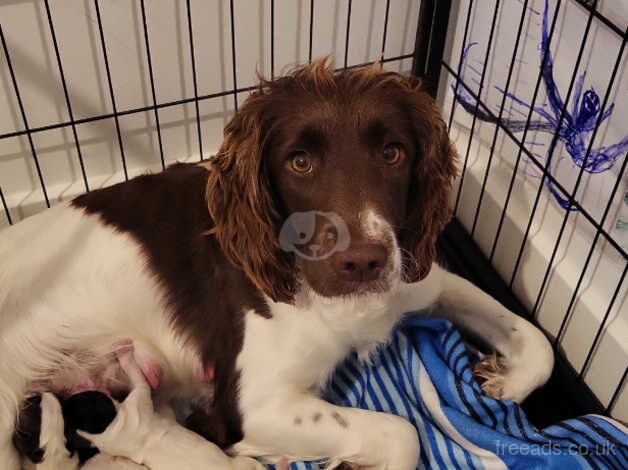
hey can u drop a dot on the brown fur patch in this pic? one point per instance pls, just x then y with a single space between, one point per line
167 214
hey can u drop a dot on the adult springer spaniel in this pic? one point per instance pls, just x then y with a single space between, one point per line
249 277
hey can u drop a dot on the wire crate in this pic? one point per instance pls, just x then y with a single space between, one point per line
97 92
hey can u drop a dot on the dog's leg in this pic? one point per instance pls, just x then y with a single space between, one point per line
304 427
9 457
526 359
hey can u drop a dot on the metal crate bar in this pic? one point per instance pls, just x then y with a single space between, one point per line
166 104
459 73
552 147
576 377
272 38
535 94
346 61
233 55
385 33
618 390
66 95
430 41
5 207
607 209
152 83
600 330
111 94
309 54
579 178
480 88
606 21
502 106
24 119
540 166
194 80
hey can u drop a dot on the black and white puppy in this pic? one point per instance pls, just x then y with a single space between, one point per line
309 235
46 434
132 435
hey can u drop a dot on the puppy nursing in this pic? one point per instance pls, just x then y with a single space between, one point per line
210 266
131 434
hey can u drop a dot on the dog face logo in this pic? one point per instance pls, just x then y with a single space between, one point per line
299 230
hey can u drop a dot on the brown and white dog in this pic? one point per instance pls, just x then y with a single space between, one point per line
308 235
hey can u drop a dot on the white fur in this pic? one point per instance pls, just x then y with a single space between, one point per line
91 288
282 417
107 462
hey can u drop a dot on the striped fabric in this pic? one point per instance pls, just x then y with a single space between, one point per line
425 375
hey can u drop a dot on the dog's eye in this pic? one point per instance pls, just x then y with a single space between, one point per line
392 153
301 162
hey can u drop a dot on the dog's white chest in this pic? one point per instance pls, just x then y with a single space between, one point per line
299 347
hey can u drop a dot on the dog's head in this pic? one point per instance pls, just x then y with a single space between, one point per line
338 180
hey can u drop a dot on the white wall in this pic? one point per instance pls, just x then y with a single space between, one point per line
28 36
607 265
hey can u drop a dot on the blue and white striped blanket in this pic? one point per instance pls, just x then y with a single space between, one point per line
425 375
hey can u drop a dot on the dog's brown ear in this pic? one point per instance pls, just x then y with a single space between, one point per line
240 201
434 172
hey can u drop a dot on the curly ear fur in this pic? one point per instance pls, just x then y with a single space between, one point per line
240 202
434 172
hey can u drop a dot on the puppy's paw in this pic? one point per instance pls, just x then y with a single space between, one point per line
52 437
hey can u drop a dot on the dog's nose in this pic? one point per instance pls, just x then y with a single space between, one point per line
363 262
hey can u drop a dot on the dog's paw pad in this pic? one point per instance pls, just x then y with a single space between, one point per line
490 373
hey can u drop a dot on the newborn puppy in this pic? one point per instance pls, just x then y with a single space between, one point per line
77 399
149 438
130 435
46 434
90 411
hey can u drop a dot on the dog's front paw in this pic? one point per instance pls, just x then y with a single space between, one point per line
490 373
503 380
